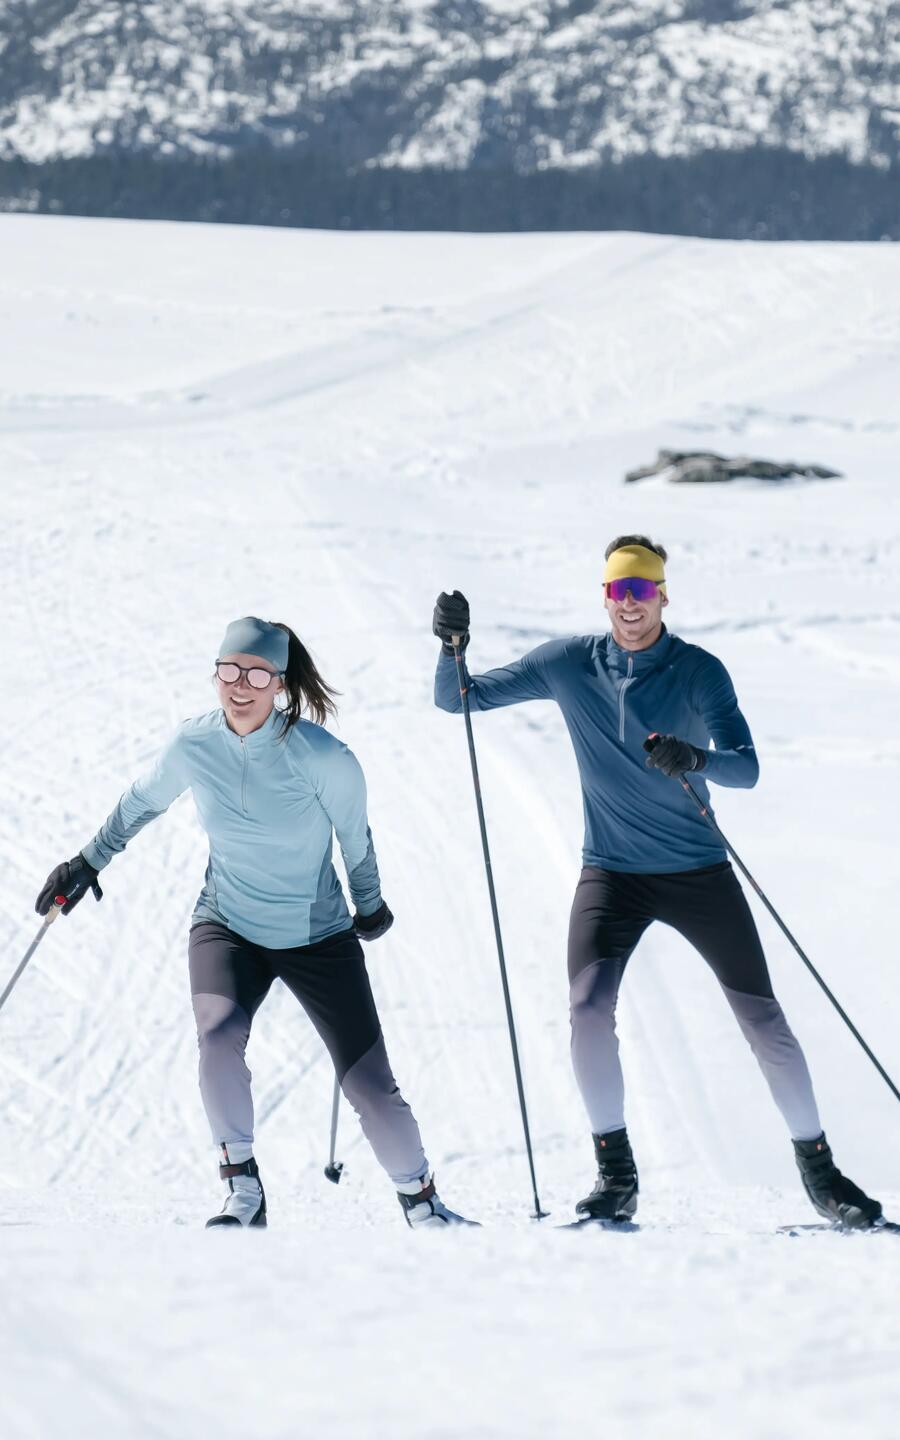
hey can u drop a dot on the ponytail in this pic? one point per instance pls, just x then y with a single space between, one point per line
303 685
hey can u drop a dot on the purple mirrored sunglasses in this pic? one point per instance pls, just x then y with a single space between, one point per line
640 589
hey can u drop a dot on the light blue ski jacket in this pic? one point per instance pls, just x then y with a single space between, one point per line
269 807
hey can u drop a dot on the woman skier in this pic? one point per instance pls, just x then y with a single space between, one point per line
270 787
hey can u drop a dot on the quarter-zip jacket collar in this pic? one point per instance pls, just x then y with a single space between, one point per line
629 664
258 740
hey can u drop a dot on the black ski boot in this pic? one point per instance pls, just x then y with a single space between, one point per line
832 1194
245 1204
614 1197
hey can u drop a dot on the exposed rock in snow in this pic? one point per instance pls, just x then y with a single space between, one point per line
705 467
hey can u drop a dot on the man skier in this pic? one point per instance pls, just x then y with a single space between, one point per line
648 853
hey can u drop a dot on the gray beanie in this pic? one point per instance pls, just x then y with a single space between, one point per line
252 636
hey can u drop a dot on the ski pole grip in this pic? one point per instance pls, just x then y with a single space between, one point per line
55 909
456 641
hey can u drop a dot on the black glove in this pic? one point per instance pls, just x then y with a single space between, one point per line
673 756
73 878
370 927
451 617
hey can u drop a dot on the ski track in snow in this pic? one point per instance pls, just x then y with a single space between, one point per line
329 430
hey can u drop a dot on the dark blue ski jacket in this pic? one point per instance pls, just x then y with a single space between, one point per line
635 819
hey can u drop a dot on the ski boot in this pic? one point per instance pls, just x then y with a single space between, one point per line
246 1201
832 1194
422 1206
614 1197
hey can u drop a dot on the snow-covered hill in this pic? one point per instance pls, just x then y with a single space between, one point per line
198 422
452 83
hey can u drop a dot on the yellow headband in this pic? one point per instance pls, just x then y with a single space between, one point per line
636 560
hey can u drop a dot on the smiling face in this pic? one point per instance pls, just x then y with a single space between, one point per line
246 708
636 624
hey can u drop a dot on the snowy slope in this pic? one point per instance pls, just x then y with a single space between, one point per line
420 83
197 422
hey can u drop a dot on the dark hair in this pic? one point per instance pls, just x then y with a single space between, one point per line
621 540
304 686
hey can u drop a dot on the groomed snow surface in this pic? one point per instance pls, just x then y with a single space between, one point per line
197 423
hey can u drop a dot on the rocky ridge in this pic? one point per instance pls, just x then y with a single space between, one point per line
493 84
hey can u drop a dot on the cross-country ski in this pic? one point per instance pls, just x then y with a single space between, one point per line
879 1227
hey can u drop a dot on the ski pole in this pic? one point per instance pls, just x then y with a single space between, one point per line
538 1213
55 909
333 1171
704 811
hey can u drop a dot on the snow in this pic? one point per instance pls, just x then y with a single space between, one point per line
202 422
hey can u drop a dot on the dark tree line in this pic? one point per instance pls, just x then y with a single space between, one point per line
760 194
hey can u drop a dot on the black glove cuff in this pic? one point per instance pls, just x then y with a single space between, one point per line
448 648
371 922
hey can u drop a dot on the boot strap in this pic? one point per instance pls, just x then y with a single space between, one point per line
427 1193
249 1167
